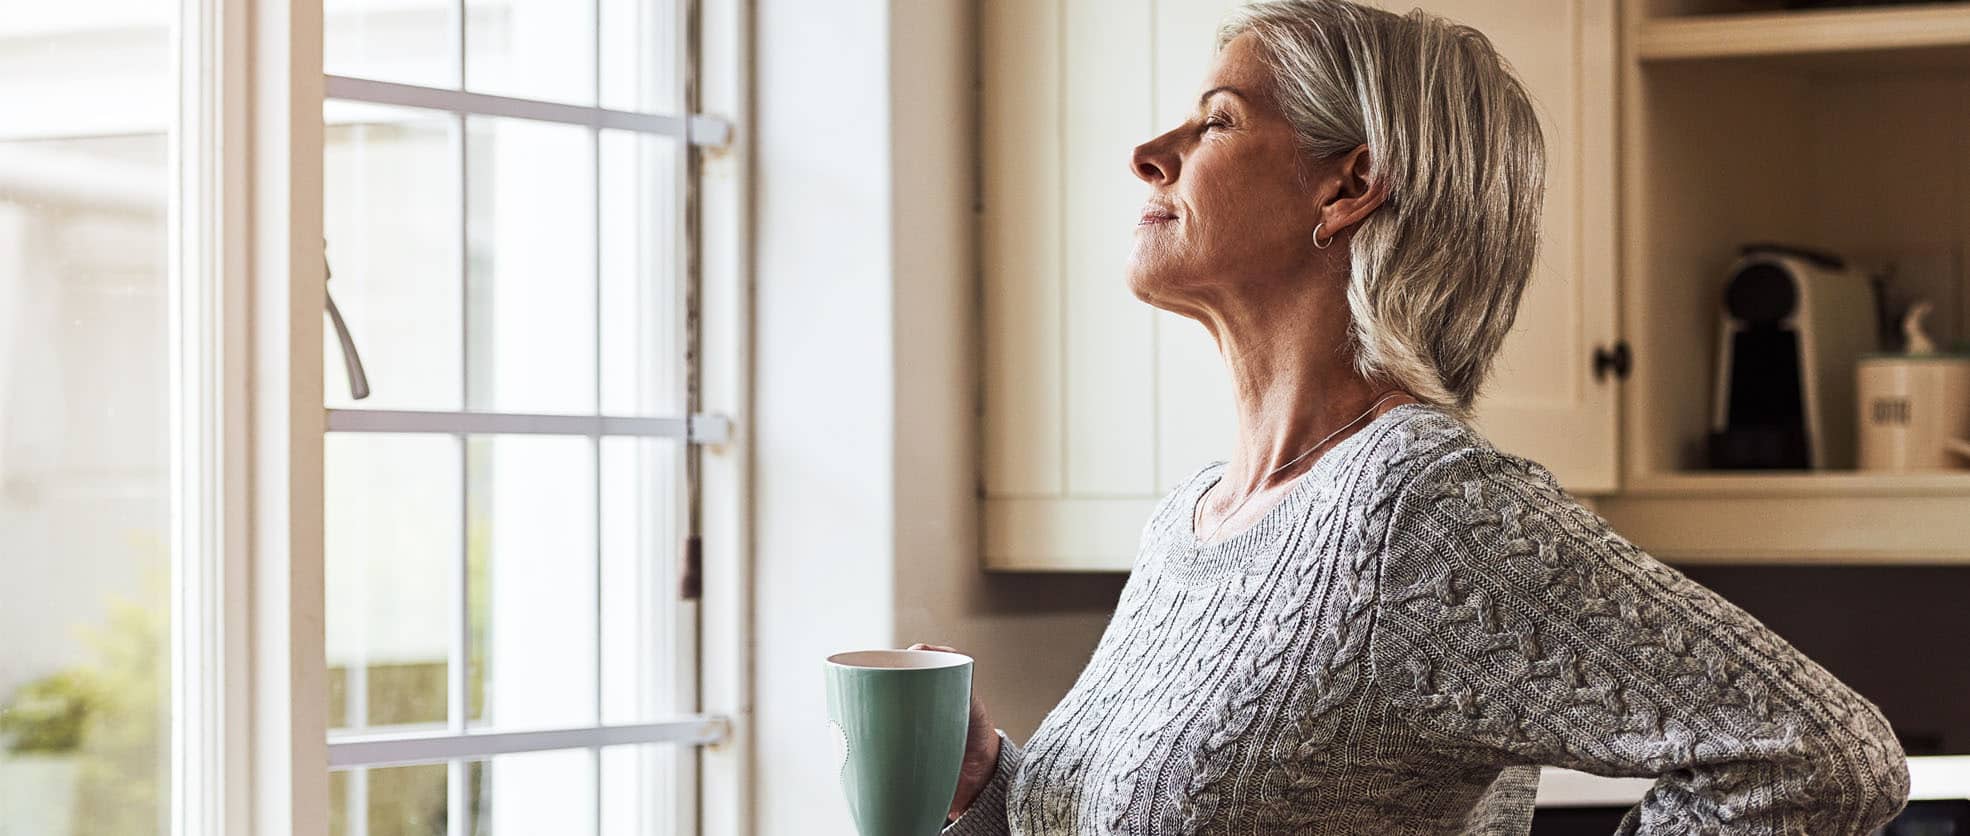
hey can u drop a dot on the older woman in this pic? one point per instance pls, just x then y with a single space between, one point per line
1370 620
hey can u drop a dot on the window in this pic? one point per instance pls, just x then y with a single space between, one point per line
439 545
507 485
86 487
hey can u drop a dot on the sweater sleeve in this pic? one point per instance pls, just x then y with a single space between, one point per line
1515 627
987 814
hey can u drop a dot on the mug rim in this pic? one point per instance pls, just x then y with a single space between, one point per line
889 659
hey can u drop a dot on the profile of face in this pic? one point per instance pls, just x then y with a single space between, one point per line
1232 200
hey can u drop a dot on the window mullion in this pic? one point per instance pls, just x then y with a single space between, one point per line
502 423
458 812
595 444
697 129
378 750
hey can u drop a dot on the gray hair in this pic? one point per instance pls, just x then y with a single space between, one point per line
1438 268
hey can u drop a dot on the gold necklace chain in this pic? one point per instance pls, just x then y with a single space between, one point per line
1295 460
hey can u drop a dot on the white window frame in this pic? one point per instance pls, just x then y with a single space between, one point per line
247 675
250 748
725 305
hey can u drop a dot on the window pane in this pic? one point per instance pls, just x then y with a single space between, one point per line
643 651
389 801
642 298
642 789
391 206
531 274
531 501
641 65
531 49
528 793
85 483
393 540
407 41
535 792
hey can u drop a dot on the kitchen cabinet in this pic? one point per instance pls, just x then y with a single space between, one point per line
1675 130
1845 129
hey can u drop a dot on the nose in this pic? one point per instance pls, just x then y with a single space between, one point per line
1154 163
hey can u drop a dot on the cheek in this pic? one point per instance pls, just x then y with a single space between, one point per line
1240 217
1241 212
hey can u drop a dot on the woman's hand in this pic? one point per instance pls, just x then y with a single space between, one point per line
981 748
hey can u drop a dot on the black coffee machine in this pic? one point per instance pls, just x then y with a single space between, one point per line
1793 322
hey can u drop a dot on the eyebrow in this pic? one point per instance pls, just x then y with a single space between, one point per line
1223 88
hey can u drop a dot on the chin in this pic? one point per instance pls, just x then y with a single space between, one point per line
1145 283
1155 280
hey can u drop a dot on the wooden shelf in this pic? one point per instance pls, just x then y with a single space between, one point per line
1789 483
1813 32
1835 524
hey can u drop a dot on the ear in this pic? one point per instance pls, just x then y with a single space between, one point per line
1357 194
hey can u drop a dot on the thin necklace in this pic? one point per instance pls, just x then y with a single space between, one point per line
1196 547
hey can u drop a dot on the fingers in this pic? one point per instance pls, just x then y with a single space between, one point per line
938 647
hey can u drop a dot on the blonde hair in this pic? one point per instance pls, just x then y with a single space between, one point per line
1438 268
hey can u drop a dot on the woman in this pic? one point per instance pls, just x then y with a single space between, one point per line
1370 620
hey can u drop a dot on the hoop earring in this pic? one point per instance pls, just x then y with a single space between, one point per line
1316 237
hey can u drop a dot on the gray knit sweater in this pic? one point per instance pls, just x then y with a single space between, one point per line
1399 644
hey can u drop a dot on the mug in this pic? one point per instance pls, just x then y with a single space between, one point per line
899 718
1914 412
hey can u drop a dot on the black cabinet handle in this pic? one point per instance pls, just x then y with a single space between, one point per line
1615 360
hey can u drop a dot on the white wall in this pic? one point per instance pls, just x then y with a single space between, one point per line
865 483
822 398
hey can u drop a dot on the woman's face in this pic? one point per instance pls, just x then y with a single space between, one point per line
1231 201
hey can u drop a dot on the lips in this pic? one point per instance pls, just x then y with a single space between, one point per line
1156 214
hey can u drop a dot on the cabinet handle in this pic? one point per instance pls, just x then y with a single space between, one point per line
1616 361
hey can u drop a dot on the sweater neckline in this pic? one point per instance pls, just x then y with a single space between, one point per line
1275 519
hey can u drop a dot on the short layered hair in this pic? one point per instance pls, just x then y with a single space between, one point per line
1438 269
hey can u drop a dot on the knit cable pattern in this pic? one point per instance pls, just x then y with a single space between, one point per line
1518 628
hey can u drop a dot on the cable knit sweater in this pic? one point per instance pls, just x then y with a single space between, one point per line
1399 644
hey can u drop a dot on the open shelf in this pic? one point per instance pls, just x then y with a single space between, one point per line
1930 32
1842 130
1869 165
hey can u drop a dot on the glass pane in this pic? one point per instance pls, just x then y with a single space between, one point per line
531 49
392 541
407 41
642 67
390 801
642 788
535 792
531 535
642 298
390 200
642 649
531 273
85 482
555 792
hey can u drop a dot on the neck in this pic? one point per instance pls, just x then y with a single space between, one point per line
1294 385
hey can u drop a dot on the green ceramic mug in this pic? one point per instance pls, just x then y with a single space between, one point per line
899 718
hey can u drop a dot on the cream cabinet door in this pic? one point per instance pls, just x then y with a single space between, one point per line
1088 420
1070 365
1096 405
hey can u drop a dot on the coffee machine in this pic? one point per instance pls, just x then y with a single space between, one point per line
1793 323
